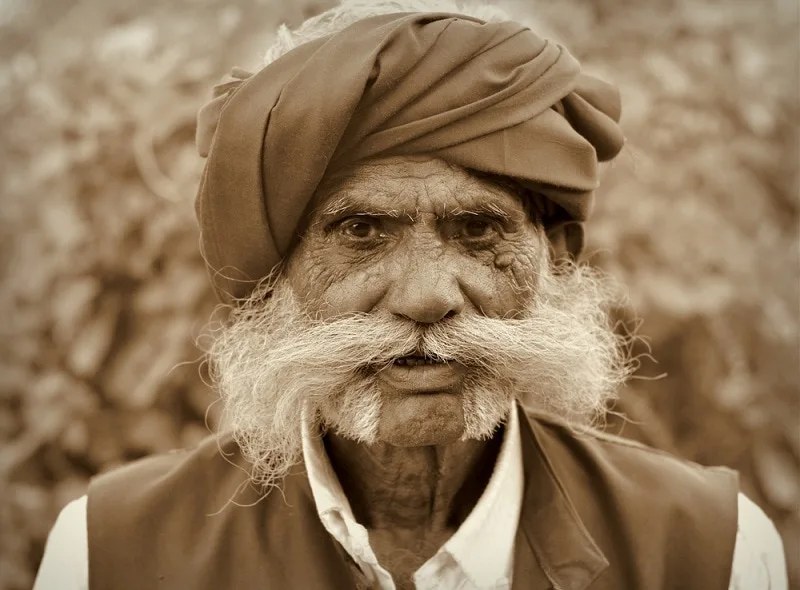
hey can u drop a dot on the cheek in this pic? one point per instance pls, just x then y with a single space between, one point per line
524 273
522 265
353 290
329 286
504 283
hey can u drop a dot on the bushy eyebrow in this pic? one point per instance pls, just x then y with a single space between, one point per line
478 209
347 204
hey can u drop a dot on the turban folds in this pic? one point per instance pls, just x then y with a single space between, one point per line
491 97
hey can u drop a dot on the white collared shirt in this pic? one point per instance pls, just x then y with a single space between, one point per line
479 555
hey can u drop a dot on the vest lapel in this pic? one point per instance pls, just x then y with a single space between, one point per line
527 573
305 554
553 548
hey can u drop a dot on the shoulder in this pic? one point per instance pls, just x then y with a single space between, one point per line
211 454
672 518
624 458
643 484
153 519
187 490
177 490
214 467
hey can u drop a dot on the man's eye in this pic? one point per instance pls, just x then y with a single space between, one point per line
477 228
360 228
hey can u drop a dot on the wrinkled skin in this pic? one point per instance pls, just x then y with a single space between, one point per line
421 239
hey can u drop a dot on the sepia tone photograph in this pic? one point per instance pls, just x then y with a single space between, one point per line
400 294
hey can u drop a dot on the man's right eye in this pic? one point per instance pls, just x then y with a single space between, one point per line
361 228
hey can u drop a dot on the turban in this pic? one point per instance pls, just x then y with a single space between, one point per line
491 97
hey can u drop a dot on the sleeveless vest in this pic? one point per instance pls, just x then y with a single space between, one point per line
599 512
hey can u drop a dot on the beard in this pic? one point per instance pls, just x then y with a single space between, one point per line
273 364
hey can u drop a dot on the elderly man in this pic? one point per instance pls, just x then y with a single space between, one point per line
392 207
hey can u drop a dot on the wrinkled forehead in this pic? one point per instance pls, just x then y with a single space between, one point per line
409 186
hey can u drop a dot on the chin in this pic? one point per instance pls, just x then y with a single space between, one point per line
421 419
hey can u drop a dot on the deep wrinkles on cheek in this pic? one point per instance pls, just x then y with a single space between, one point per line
335 288
524 271
316 273
519 267
364 286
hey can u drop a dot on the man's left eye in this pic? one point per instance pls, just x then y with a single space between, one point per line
477 228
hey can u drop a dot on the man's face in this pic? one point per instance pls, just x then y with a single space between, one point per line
419 303
424 242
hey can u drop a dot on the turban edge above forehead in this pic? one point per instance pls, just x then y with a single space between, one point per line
492 97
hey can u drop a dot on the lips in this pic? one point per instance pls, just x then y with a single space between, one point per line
420 374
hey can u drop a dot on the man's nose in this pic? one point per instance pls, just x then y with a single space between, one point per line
426 292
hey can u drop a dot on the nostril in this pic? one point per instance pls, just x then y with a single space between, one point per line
418 318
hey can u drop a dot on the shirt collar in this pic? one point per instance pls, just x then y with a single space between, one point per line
483 546
325 486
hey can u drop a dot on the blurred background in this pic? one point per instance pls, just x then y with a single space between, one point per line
103 290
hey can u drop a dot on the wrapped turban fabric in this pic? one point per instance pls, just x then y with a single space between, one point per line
491 97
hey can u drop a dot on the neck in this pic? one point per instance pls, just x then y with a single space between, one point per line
431 488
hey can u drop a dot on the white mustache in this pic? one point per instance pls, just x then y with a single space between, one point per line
559 354
374 342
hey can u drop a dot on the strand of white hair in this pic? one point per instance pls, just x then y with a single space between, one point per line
351 11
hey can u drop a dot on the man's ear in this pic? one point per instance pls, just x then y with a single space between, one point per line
566 240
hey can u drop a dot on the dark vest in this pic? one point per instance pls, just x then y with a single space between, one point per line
599 512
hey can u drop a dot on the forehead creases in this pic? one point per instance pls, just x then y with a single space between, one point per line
443 189
380 204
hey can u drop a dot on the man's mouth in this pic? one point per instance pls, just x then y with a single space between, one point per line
417 373
417 360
